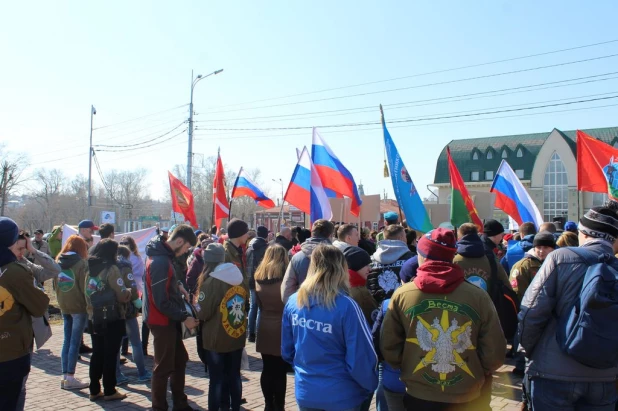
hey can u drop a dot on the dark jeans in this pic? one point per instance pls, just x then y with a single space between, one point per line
224 369
105 349
550 395
145 335
274 381
170 363
415 404
12 375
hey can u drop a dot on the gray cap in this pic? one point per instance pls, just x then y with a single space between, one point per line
214 253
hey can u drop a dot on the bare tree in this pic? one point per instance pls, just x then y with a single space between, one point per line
12 166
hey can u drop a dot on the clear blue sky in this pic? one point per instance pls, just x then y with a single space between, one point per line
135 58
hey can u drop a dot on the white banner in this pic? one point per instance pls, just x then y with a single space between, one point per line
141 237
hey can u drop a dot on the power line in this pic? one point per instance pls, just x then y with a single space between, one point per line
140 143
422 85
423 74
412 125
139 118
405 120
426 102
107 188
149 145
158 123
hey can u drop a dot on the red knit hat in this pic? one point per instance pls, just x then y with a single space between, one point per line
439 244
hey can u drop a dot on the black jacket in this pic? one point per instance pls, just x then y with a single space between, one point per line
284 242
367 245
255 255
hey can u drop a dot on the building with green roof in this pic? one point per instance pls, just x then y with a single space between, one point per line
545 163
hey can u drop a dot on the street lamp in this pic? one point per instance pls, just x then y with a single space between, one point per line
194 81
282 202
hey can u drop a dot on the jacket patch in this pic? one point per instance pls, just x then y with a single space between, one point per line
443 340
130 277
120 282
478 281
66 280
6 301
201 297
232 311
388 280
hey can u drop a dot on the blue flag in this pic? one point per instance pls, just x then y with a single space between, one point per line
405 191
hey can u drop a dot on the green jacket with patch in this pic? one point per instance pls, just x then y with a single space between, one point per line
444 344
523 272
222 310
111 277
70 284
19 300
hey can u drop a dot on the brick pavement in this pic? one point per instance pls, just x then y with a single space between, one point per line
44 393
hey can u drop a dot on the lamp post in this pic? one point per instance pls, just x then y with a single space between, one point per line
93 111
194 81
282 202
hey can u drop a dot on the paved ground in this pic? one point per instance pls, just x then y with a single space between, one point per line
44 393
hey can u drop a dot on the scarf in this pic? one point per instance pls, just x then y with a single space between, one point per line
356 280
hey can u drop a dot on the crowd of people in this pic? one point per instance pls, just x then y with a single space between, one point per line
416 321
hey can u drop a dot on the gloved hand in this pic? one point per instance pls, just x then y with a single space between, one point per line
138 304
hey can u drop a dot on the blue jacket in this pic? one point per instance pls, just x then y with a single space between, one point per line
390 376
335 365
515 252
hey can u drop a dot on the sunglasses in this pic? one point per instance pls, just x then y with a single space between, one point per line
123 243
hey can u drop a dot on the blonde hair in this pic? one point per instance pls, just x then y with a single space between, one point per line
273 265
568 239
327 277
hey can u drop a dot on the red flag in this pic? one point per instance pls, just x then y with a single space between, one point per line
462 206
219 197
182 199
597 168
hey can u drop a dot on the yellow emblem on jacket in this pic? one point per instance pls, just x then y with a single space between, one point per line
6 301
232 310
443 340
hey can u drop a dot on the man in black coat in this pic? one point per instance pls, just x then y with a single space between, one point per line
284 238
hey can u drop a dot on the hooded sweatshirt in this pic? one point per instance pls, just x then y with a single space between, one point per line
341 245
71 283
162 301
298 267
524 272
516 251
221 306
444 335
388 259
196 265
473 257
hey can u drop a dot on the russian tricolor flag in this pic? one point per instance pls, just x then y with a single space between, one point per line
244 186
336 179
512 197
306 192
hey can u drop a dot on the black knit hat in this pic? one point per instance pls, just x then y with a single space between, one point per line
262 232
237 228
357 258
492 228
544 238
600 222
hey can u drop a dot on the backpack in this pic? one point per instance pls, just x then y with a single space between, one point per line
586 331
105 307
505 300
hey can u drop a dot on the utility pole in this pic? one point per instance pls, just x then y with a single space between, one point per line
194 81
93 111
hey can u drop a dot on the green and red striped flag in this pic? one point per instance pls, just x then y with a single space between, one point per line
462 207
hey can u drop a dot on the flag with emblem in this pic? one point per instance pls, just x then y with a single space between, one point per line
597 166
405 191
182 199
221 206
462 207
